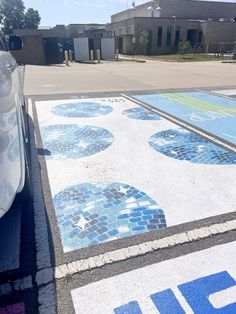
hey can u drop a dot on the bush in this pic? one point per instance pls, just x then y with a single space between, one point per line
184 46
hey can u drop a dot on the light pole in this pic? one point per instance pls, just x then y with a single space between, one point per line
174 27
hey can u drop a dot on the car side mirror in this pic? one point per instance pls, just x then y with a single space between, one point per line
15 42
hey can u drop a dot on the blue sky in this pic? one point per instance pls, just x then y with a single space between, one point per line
78 11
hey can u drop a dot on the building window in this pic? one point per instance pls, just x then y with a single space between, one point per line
159 36
177 36
168 36
200 37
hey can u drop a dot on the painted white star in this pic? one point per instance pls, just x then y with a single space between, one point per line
123 190
200 148
174 153
83 144
161 142
81 223
69 207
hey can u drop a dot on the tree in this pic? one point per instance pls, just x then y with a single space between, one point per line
12 14
32 19
184 46
143 40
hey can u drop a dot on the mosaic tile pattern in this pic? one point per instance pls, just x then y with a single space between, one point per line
88 214
184 145
70 141
18 308
140 113
82 110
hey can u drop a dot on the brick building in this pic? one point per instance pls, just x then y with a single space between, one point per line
47 45
207 25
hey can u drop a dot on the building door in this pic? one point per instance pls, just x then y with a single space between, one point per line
91 44
121 45
52 50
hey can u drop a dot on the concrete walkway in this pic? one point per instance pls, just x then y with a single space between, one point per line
127 76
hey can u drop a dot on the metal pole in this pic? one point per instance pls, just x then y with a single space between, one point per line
99 56
66 58
91 56
174 28
70 56
117 54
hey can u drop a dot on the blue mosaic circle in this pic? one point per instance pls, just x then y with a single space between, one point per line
140 113
88 214
70 141
184 145
82 110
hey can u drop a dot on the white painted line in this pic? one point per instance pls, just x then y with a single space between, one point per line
226 92
41 232
44 276
23 284
216 93
182 124
46 299
142 249
5 289
17 285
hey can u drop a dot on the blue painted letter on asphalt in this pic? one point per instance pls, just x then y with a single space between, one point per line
197 293
130 308
166 302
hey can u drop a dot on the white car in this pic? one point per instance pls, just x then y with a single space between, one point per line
13 160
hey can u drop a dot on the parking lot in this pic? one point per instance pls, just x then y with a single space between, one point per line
134 193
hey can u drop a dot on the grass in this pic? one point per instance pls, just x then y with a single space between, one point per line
188 58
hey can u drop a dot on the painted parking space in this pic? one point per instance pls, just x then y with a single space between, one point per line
193 283
111 166
211 113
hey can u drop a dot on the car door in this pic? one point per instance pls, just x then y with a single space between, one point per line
11 137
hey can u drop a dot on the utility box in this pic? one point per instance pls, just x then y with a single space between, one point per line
108 48
81 48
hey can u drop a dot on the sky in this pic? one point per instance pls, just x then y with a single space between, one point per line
66 12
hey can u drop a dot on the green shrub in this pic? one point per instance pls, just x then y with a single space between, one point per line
184 46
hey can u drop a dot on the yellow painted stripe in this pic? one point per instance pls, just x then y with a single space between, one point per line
217 106
186 103
198 104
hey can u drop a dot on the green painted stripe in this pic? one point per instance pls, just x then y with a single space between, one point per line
216 106
199 105
183 102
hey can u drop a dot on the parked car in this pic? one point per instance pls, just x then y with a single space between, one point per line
13 160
